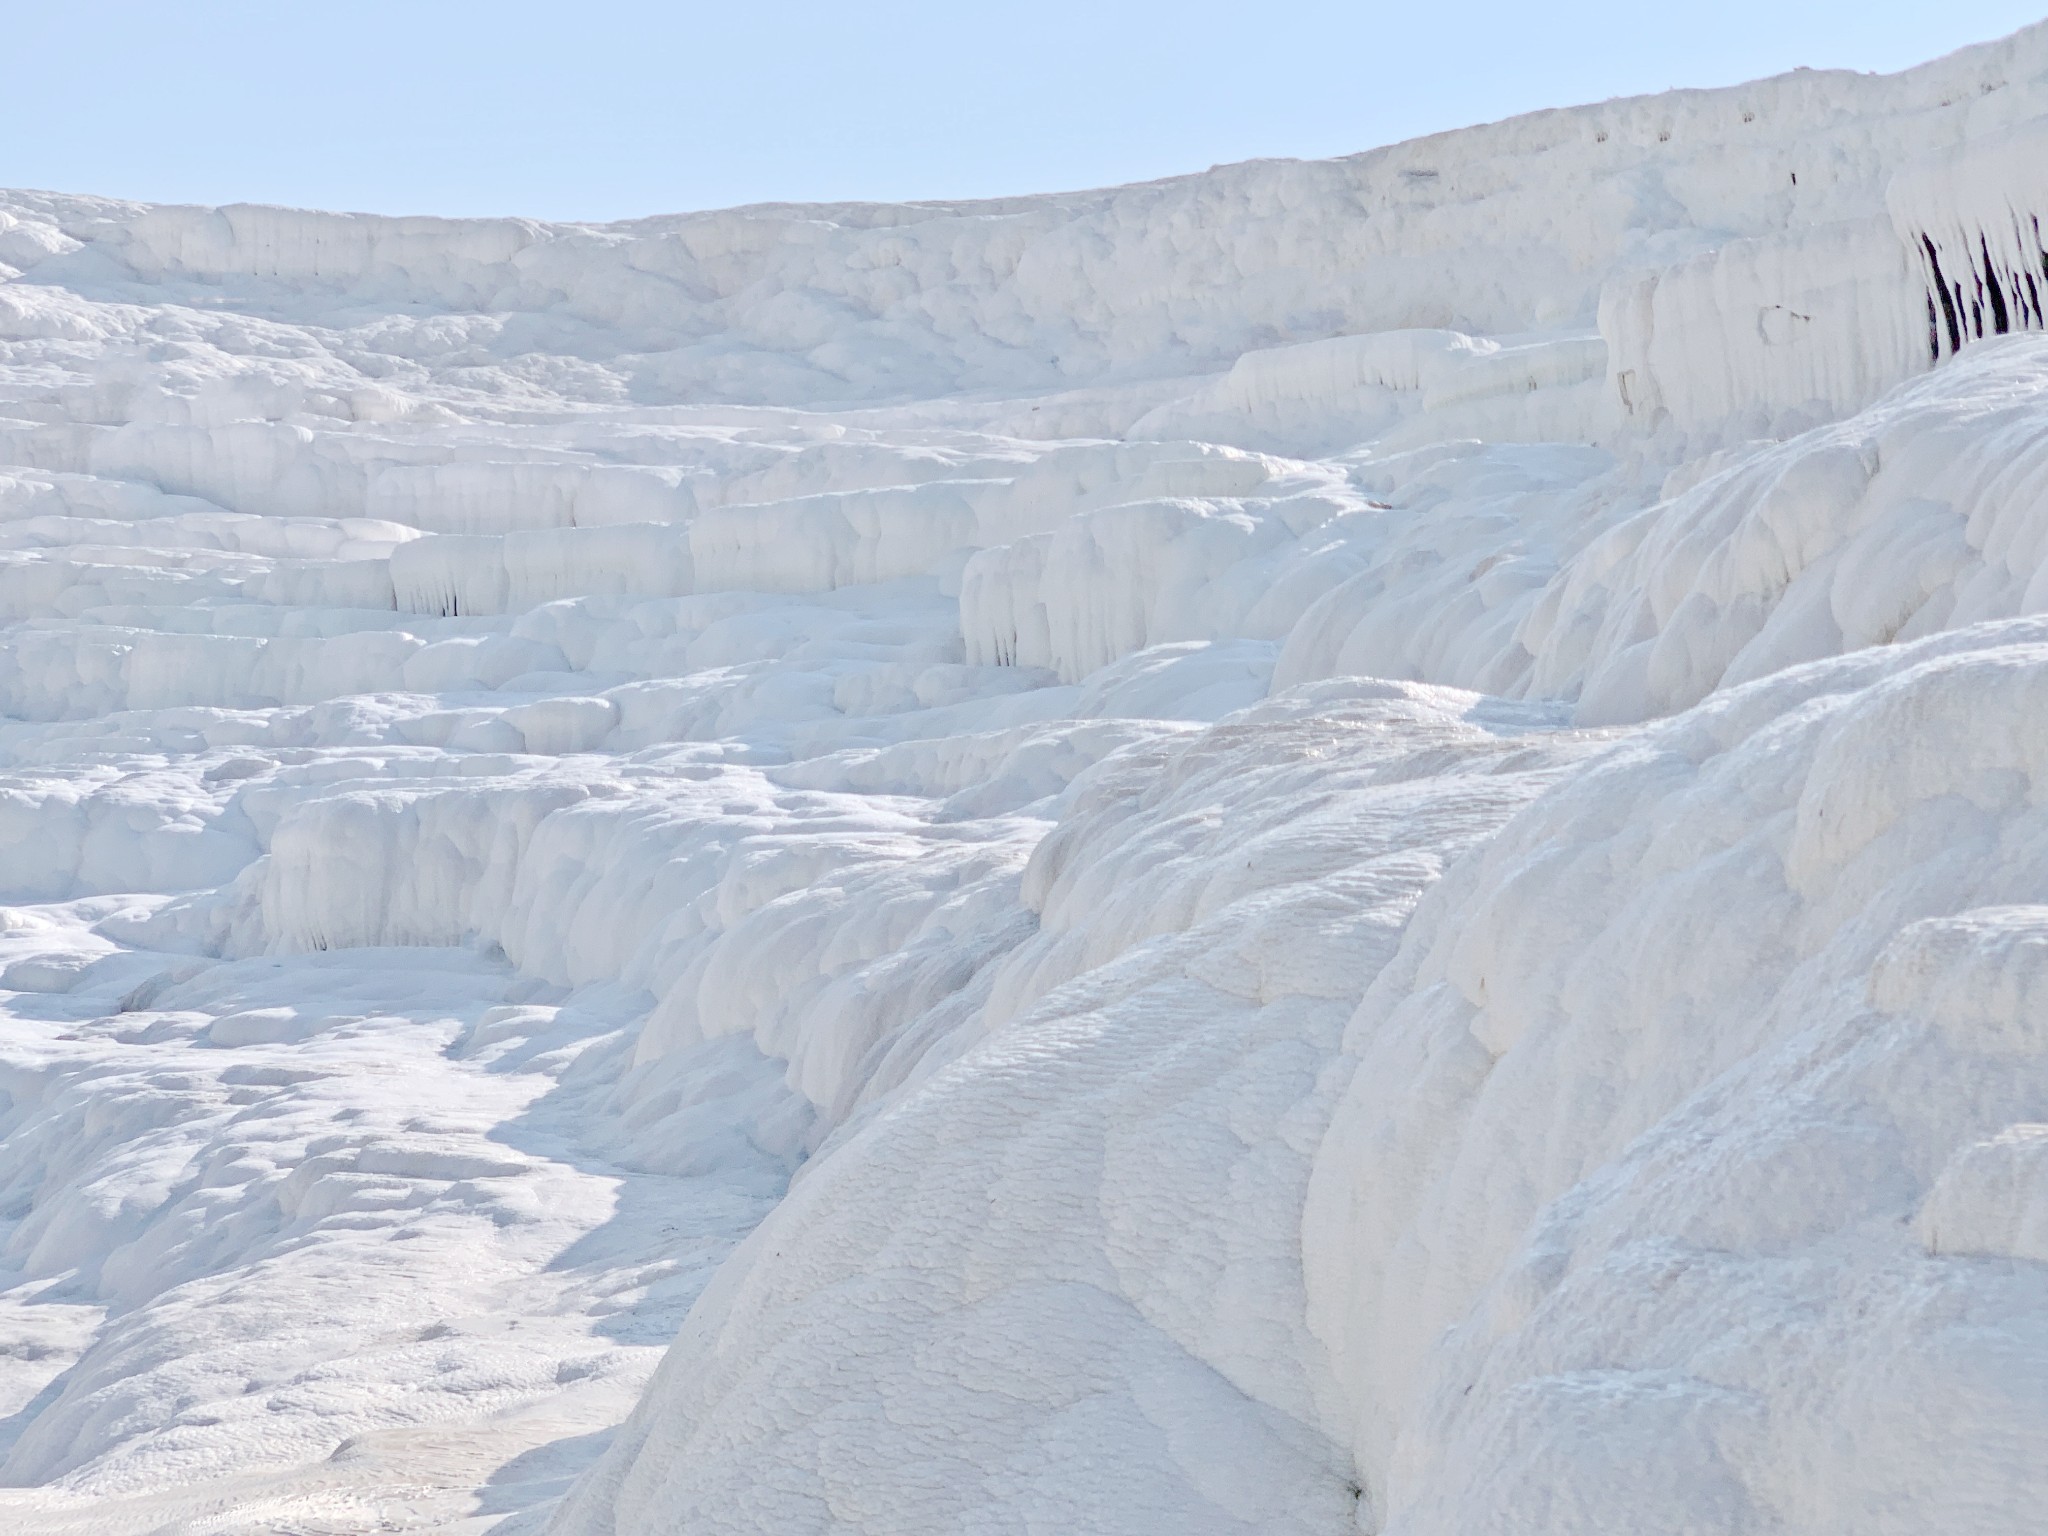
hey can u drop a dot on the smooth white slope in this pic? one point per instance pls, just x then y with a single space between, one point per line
1061 1283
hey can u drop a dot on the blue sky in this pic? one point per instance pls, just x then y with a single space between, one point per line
611 109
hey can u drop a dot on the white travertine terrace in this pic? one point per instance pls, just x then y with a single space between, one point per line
1323 847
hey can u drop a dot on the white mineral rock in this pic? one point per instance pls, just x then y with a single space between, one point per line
1339 847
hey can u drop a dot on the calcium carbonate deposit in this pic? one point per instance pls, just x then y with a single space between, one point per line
1323 848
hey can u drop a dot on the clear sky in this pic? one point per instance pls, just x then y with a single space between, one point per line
614 108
